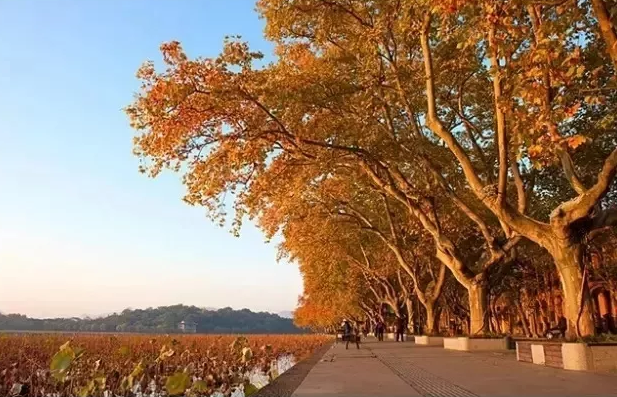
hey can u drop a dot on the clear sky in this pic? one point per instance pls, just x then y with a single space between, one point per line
81 231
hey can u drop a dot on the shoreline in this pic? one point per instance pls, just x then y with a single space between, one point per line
287 383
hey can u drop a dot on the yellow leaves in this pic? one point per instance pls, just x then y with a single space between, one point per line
576 71
535 151
448 6
165 353
595 99
199 387
146 71
177 383
575 141
572 110
61 362
124 351
173 53
247 354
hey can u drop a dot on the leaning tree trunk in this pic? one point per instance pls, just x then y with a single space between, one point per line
576 296
478 305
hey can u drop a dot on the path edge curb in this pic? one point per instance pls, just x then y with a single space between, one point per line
286 384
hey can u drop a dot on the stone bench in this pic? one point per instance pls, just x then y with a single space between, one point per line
572 356
429 340
464 343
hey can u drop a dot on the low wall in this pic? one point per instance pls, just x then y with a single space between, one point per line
429 340
576 356
392 336
523 352
541 353
604 358
474 344
571 356
453 344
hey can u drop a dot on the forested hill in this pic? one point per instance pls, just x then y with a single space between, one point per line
163 319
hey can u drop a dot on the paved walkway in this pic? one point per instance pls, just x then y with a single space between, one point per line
406 369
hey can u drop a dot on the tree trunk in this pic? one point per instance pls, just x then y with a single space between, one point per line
410 315
478 322
603 15
534 325
433 313
552 311
496 318
577 309
521 314
543 316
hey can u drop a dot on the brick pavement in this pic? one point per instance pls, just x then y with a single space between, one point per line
405 369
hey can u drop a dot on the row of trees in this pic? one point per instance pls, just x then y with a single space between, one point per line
438 157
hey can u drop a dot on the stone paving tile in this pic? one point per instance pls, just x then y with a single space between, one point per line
396 369
424 382
352 373
497 374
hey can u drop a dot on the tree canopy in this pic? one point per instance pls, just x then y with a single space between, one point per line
471 127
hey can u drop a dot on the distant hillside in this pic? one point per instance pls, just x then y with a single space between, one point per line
163 319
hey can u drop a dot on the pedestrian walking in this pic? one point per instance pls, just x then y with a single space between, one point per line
351 334
379 330
400 328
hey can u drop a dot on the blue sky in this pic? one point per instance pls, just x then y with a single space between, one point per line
81 231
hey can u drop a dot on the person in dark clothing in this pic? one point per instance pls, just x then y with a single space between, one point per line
352 334
346 330
558 330
379 330
562 326
400 328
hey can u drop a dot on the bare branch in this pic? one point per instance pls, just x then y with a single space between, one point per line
570 172
502 142
432 119
520 186
582 205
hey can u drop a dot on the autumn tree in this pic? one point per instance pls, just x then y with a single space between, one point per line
458 100
550 69
212 116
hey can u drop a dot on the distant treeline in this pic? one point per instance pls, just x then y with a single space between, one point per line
163 319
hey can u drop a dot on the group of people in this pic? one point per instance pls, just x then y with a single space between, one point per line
400 327
380 328
351 332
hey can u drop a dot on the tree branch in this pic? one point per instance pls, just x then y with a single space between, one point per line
582 205
606 28
502 142
433 121
570 172
520 187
